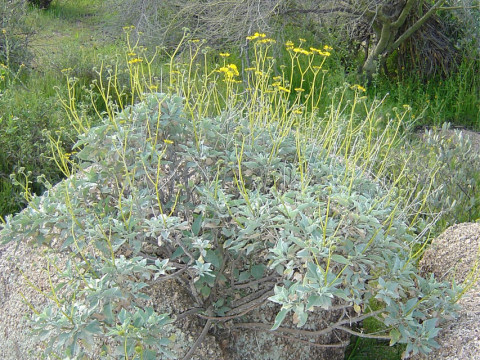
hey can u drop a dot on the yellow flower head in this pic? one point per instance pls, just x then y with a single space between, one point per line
284 89
224 54
230 71
168 141
358 87
289 43
299 89
136 60
267 41
233 68
320 52
301 51
256 36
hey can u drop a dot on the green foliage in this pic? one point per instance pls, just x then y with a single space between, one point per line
30 114
452 98
24 141
226 203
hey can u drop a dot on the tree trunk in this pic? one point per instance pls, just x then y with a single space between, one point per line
387 34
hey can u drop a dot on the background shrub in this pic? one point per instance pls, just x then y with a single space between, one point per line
15 35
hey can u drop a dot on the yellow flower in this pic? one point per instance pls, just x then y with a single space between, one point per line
302 40
289 43
234 69
195 41
168 141
327 48
4 31
136 60
277 78
230 71
224 54
131 54
283 89
299 89
297 111
320 52
301 51
267 41
358 87
256 36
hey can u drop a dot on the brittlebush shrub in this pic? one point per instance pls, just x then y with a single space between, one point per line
219 205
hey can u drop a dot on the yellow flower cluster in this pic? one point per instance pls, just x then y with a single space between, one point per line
358 87
301 51
136 60
225 54
279 86
267 41
321 52
230 71
256 36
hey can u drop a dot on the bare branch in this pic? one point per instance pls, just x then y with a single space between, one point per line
199 340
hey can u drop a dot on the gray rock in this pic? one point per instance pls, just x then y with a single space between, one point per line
452 255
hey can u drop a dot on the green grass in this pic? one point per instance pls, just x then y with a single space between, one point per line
67 35
454 99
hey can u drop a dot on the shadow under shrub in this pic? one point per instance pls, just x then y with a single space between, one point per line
232 211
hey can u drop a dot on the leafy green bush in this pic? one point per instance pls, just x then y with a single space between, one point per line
219 203
24 138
